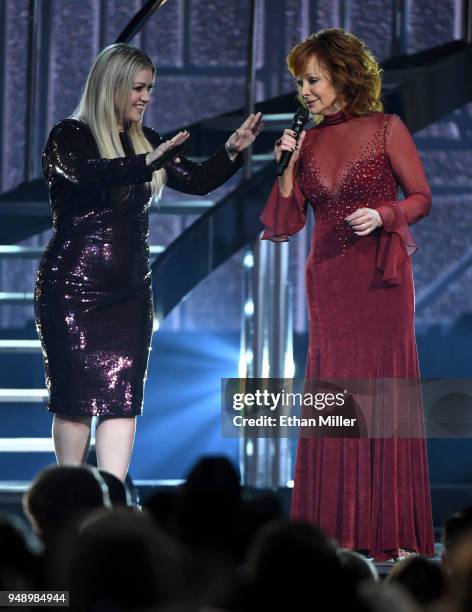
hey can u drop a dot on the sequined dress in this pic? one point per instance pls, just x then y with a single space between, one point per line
93 299
370 494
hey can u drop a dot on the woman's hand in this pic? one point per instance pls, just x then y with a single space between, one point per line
244 135
174 142
288 142
364 221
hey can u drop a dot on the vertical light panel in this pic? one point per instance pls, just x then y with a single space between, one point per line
74 37
163 40
14 92
430 23
372 21
118 15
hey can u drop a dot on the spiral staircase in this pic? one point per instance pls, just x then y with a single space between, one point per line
205 244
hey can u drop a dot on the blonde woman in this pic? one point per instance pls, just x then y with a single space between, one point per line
93 300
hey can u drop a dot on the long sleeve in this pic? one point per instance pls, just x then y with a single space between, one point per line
201 178
187 176
67 153
283 216
396 242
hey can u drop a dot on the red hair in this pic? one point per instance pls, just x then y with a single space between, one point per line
352 68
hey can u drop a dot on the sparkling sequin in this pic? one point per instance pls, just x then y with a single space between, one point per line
93 300
361 178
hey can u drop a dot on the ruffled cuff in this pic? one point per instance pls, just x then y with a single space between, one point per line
283 216
395 244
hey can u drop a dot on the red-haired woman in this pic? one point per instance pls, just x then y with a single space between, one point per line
371 494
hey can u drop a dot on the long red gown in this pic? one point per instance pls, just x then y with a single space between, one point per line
369 494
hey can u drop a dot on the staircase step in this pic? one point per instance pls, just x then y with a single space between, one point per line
38 208
20 486
20 346
156 249
16 251
30 445
182 207
14 486
26 445
273 122
23 395
16 298
259 158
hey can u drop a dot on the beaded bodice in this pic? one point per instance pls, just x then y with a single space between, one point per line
344 166
347 163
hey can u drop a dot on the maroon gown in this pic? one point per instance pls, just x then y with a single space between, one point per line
370 494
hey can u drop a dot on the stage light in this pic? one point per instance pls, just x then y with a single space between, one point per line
289 369
249 308
265 363
242 367
248 260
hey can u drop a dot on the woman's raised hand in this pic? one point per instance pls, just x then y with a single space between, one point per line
288 142
245 135
173 143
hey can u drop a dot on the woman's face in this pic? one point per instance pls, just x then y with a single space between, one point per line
316 88
140 95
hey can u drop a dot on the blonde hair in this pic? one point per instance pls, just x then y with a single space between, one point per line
105 99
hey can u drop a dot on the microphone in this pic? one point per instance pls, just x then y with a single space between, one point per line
299 120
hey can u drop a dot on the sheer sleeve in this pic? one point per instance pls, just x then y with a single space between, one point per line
68 154
284 216
396 242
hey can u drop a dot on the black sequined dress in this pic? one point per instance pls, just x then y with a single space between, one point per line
93 299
